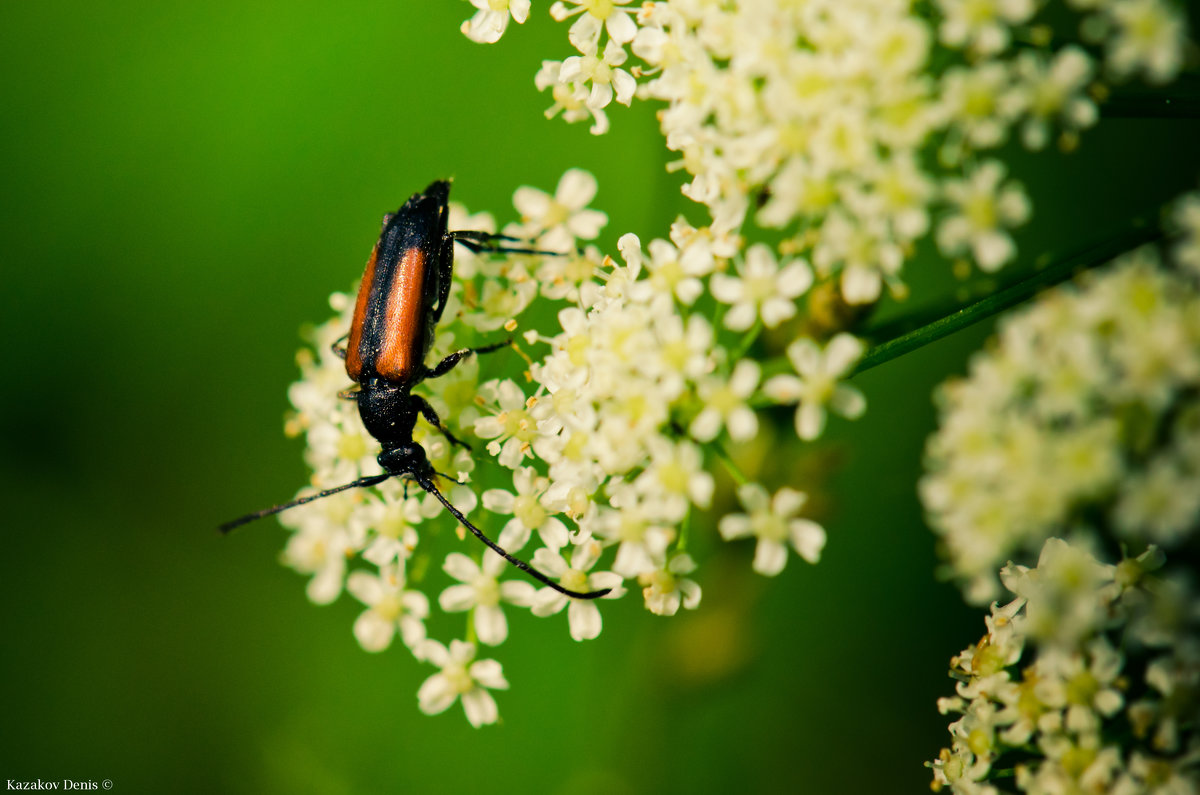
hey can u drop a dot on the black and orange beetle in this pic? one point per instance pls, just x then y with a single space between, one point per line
403 294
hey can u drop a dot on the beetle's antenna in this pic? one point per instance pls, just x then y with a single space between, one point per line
427 484
450 478
370 480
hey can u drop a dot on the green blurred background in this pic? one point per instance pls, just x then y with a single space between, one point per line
184 185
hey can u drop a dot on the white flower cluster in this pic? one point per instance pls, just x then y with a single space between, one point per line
1082 421
600 442
1087 682
1089 398
820 113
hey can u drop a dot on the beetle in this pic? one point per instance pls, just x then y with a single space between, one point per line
403 294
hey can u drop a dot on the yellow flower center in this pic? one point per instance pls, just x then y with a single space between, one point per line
487 591
724 400
389 608
674 477
577 347
979 741
771 527
518 424
458 678
660 580
981 211
631 528
531 513
600 9
574 580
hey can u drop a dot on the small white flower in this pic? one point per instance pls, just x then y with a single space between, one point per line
632 523
570 99
674 477
480 590
339 449
669 270
1067 593
583 617
764 289
491 20
982 25
391 606
527 511
391 518
979 101
511 429
461 675
603 73
985 208
819 383
726 403
665 589
1056 93
321 544
557 221
1150 38
502 300
606 14
773 521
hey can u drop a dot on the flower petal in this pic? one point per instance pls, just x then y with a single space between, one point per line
769 557
480 707
584 620
436 695
490 625
374 633
457 598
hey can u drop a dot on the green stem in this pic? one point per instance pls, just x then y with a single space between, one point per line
734 472
1141 231
684 529
747 340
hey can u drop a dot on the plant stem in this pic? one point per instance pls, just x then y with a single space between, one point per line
734 471
471 636
1139 232
748 339
685 527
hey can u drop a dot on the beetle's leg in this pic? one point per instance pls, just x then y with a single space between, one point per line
338 349
445 275
480 242
448 364
431 415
